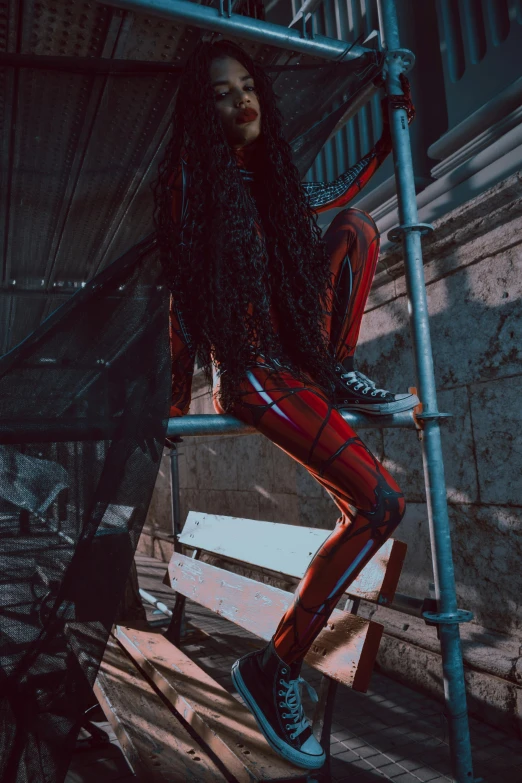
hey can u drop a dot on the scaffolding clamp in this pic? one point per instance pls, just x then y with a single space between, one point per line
433 415
420 416
396 234
448 618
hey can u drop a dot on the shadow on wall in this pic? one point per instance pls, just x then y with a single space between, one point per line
476 327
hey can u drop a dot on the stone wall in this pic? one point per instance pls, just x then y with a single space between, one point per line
473 269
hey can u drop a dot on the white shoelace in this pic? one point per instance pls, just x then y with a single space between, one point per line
362 383
293 702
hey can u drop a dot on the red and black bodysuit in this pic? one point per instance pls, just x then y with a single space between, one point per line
300 419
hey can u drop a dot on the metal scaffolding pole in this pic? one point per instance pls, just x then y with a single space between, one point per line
68 430
219 424
227 23
448 616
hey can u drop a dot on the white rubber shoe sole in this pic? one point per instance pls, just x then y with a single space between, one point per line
310 760
405 402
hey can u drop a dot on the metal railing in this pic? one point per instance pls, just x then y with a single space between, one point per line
210 424
221 20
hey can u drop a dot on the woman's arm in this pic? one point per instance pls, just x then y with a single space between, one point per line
332 195
182 353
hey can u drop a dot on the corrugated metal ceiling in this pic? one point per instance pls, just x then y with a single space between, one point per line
79 148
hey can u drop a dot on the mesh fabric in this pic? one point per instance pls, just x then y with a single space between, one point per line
84 403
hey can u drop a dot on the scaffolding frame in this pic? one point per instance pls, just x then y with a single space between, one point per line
427 421
448 616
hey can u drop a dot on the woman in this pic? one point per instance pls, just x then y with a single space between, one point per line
277 310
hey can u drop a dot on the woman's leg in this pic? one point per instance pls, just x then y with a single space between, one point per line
352 241
300 419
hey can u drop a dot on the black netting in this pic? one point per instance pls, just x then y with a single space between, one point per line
84 403
84 399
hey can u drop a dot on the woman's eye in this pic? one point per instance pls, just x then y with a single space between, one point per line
220 95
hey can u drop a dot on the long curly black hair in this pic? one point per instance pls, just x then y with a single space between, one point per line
224 273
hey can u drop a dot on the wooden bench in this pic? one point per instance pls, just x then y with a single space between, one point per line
216 737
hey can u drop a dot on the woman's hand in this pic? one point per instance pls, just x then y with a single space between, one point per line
398 102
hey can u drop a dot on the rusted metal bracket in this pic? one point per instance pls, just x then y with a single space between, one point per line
420 416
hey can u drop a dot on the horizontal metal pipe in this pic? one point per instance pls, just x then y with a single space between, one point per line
207 424
153 601
65 431
56 431
243 27
217 424
35 293
107 66
407 604
104 66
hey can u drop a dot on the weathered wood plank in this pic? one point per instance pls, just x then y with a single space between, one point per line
345 649
156 744
222 722
288 549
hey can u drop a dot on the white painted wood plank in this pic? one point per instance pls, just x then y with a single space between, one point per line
223 723
156 744
288 549
345 650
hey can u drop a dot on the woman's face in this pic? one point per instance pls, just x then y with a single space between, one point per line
236 101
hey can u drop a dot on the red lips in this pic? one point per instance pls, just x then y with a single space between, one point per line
247 115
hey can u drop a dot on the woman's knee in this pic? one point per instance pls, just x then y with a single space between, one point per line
353 217
386 506
392 507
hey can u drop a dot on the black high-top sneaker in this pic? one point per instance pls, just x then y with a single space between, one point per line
356 392
271 689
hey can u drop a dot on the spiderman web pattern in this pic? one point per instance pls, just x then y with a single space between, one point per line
322 193
301 420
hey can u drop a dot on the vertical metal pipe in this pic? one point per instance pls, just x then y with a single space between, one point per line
453 669
174 492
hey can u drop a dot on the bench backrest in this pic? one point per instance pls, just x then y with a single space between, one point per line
280 549
346 648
